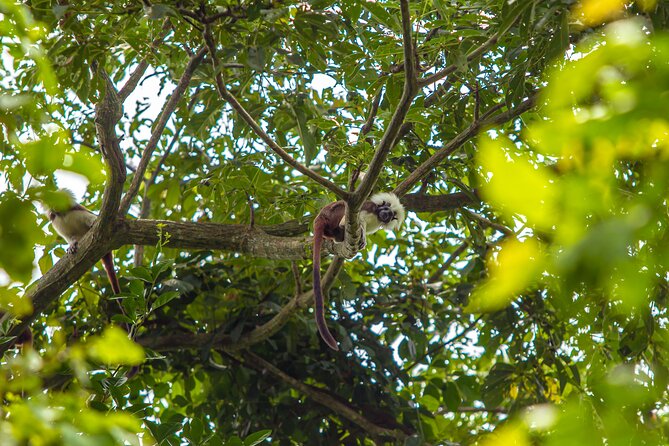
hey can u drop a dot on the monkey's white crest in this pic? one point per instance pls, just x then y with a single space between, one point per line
393 202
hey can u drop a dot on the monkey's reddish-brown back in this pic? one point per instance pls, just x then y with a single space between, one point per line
331 218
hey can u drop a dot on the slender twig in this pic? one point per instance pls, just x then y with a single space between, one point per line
252 212
487 222
296 276
84 143
139 71
447 264
453 68
159 126
477 102
367 127
437 94
275 324
244 114
485 46
159 166
145 210
438 346
91 146
469 409
454 144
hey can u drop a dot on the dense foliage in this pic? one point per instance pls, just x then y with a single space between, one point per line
524 300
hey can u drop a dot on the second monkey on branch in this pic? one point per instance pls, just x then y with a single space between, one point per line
382 210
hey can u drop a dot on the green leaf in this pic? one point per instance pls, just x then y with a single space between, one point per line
114 348
196 430
164 298
257 437
19 233
234 441
308 140
158 11
452 396
255 57
141 273
43 156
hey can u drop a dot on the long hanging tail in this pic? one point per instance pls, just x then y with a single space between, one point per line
318 291
108 263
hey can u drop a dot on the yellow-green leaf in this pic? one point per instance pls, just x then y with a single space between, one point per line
516 185
113 348
514 268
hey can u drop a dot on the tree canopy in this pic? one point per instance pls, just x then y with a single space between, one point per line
523 301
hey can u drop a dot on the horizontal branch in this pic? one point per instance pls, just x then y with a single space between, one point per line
273 242
436 203
212 236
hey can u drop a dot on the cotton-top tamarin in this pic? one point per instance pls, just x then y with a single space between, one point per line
381 211
72 224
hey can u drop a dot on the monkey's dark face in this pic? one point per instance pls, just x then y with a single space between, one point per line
384 213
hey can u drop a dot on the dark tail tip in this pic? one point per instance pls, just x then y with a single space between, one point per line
328 338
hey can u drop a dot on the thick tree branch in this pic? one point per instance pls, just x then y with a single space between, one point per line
439 346
241 111
108 112
159 126
320 396
436 203
211 236
353 234
392 130
96 242
464 136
